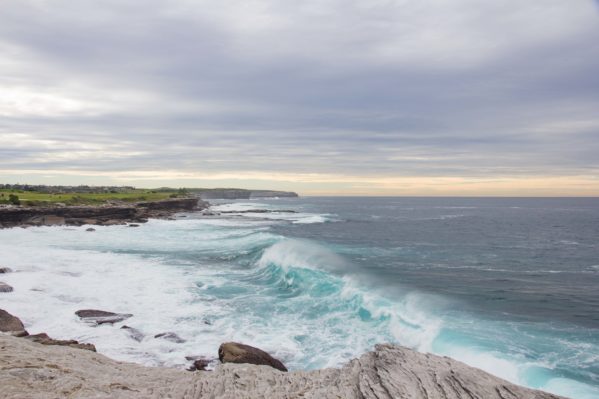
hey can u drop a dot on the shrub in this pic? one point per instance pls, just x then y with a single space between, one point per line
14 199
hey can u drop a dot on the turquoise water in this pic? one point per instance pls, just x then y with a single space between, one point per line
507 285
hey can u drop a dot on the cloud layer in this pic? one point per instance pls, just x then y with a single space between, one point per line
320 96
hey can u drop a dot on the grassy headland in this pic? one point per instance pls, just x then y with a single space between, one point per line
37 198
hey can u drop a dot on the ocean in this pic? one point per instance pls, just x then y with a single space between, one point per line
509 285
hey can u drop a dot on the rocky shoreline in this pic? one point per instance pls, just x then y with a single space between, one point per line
105 214
32 369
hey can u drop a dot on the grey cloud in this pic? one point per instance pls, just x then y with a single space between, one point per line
200 88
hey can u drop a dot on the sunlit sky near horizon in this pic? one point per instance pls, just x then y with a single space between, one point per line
331 97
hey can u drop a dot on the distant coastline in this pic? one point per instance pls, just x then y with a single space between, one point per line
29 205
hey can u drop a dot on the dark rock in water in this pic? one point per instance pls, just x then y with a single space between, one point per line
5 270
5 287
199 363
44 339
133 225
11 324
90 229
233 352
134 333
98 317
170 336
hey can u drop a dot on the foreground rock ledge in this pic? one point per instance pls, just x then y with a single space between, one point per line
31 370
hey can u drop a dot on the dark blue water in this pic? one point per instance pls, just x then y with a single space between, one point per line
534 259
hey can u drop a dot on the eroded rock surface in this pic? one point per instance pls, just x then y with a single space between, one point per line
30 370
44 339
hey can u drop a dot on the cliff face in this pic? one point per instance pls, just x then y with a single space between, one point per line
35 371
237 193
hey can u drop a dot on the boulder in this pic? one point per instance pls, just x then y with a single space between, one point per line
44 339
233 352
97 317
11 324
5 270
134 333
5 287
133 225
90 229
170 336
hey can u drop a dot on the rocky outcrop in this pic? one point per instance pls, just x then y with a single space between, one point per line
98 317
44 339
233 352
30 370
11 324
107 214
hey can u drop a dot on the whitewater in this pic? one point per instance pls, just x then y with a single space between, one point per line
506 285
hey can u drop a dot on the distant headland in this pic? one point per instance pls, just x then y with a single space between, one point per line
35 205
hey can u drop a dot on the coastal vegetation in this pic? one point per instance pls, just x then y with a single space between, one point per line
39 198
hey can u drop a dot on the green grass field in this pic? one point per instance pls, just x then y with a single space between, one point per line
33 198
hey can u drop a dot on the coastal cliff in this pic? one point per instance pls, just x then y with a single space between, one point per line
96 214
33 370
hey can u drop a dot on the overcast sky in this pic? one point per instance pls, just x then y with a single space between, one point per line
414 97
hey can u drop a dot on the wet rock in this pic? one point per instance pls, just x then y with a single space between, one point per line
5 287
133 225
44 339
97 317
170 336
4 270
134 333
199 363
233 352
11 324
90 229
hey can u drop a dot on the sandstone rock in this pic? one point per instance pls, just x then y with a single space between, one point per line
170 336
5 270
97 317
5 287
134 333
39 372
44 339
233 352
11 324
